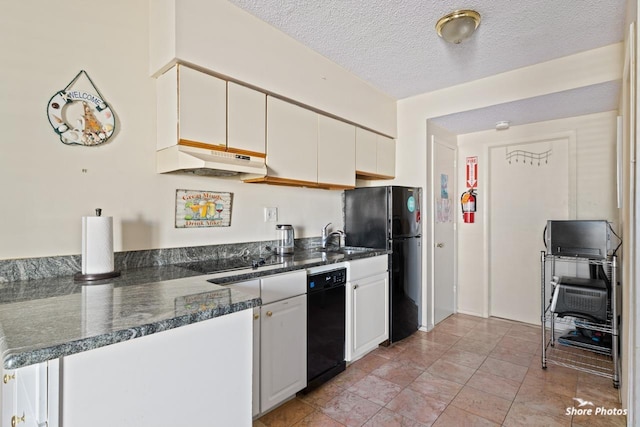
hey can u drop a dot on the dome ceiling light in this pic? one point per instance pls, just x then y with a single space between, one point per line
458 26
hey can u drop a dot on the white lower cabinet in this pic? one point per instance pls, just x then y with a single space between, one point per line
367 306
25 397
279 340
283 355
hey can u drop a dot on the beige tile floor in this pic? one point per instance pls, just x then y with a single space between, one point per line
468 371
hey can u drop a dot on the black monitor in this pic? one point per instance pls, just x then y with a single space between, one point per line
578 238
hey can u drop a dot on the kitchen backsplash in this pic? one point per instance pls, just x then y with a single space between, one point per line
46 267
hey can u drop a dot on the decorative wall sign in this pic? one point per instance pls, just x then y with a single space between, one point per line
202 209
443 204
80 117
472 172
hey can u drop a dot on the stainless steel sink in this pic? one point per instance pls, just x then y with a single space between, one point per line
346 250
349 250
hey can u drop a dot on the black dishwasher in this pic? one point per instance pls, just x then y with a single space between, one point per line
325 325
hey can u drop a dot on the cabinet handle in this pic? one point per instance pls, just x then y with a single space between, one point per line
256 316
355 287
440 245
269 313
15 420
8 378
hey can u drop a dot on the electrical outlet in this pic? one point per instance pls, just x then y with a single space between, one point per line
270 214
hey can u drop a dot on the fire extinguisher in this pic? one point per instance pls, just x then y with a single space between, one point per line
468 202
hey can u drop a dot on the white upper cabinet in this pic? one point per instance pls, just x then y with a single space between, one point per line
305 148
375 155
366 148
386 156
202 107
292 142
192 107
336 152
246 119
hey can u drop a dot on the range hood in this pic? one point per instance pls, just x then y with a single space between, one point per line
201 161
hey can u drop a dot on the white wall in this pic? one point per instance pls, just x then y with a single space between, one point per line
594 192
45 192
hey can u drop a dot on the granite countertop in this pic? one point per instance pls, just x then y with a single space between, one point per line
45 319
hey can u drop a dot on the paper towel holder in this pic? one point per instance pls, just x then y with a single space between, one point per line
92 277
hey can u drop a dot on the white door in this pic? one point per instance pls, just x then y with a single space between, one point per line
529 184
445 209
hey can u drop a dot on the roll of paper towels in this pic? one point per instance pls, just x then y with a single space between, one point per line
97 244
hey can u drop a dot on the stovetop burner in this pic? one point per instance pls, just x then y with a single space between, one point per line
231 264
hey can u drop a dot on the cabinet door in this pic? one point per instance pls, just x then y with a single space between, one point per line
369 314
366 149
8 398
336 152
246 119
386 156
292 141
24 396
202 107
283 361
255 387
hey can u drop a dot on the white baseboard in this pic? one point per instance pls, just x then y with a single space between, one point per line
472 313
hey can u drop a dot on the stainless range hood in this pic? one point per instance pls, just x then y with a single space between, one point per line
200 161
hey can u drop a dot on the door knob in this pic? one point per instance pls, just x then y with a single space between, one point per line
15 420
440 245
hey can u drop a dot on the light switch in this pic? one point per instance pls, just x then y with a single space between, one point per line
270 214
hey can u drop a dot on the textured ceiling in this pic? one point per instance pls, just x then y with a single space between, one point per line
393 45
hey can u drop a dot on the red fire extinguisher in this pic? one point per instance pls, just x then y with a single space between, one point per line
468 202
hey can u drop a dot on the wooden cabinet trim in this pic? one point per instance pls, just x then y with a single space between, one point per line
370 175
295 183
196 144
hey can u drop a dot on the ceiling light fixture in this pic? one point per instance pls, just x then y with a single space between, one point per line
503 125
458 26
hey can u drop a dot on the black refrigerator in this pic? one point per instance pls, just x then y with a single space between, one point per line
389 218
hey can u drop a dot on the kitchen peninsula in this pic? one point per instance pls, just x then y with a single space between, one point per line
156 339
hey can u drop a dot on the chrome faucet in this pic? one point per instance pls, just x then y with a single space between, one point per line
326 236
